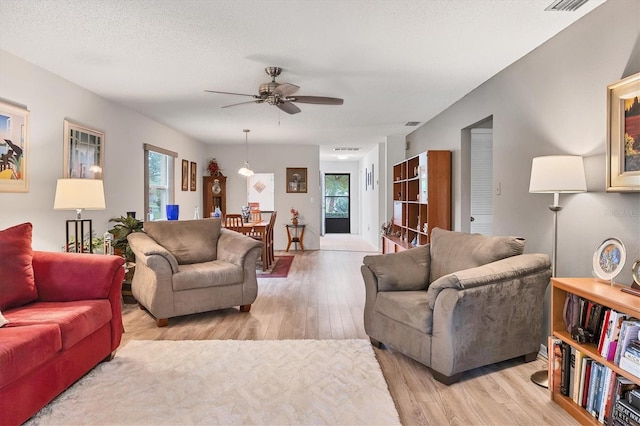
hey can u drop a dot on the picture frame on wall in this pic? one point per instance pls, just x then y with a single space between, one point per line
83 152
14 148
296 179
185 175
623 135
194 173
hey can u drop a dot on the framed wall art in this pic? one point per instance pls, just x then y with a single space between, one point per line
623 135
194 173
14 148
185 175
296 180
83 152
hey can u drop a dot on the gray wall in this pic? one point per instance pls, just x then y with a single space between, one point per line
50 100
553 101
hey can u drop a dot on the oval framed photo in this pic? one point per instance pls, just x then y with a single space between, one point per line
609 259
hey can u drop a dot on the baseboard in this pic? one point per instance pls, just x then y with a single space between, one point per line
543 351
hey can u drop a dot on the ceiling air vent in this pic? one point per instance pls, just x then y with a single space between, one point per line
565 5
412 123
346 148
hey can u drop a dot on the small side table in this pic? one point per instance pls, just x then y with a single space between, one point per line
296 237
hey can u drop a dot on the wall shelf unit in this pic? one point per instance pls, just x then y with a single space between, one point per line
421 195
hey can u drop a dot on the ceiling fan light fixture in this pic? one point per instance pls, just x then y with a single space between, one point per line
245 170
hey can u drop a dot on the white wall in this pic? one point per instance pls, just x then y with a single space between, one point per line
50 100
265 158
553 101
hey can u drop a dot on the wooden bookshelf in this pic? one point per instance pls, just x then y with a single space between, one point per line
421 195
599 292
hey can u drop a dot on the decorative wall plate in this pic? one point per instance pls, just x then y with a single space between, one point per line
609 259
635 271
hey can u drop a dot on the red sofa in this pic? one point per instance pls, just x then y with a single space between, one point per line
67 321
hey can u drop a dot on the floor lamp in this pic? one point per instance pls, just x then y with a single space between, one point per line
78 195
555 174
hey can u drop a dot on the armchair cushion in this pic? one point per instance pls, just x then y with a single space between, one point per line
407 307
455 251
190 241
16 256
403 271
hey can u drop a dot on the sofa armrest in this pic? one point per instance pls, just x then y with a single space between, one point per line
62 277
407 270
498 272
144 247
497 308
233 247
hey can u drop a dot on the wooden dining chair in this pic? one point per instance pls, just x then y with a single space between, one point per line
234 222
254 211
267 239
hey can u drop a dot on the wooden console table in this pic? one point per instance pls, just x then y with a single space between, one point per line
297 237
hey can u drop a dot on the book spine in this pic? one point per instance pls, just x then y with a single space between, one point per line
564 369
634 398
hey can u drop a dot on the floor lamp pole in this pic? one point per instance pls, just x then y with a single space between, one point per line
541 377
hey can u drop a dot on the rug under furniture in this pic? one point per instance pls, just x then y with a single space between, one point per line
231 382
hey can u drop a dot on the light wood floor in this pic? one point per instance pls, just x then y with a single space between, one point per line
323 298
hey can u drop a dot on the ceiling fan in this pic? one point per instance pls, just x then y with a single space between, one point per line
281 95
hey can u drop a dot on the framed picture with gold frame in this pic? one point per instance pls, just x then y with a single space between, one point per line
623 135
194 172
185 175
14 152
296 180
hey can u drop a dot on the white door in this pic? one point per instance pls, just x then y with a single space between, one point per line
482 181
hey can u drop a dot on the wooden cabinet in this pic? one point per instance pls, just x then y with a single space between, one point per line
214 194
421 200
605 295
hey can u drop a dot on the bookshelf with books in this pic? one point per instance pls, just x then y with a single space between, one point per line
596 390
421 200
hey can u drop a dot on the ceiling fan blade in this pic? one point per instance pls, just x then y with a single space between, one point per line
231 93
288 107
259 101
286 89
320 100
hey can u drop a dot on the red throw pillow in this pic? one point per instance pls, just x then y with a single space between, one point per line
17 283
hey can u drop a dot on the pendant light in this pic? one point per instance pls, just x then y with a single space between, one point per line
245 170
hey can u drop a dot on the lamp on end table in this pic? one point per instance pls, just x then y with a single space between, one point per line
555 174
78 195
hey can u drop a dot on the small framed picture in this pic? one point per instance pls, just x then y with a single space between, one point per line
194 172
623 135
83 152
296 180
185 175
14 152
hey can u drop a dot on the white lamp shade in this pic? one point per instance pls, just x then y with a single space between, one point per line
557 173
74 194
245 170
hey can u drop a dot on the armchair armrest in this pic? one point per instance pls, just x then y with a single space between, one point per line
497 272
144 247
402 271
233 247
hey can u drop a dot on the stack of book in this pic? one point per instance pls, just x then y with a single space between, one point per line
626 411
589 382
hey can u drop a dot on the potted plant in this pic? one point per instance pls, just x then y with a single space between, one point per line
125 225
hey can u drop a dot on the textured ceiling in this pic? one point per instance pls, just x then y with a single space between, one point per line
391 61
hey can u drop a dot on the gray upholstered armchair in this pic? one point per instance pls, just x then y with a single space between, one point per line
189 266
460 302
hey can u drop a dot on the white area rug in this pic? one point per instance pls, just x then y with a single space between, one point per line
270 382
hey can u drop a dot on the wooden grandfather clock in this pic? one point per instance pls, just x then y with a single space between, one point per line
214 194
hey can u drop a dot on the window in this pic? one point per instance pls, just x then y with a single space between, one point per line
159 172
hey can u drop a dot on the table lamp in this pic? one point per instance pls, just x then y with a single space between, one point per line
78 195
555 174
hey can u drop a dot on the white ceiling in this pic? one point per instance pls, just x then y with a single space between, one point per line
391 61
